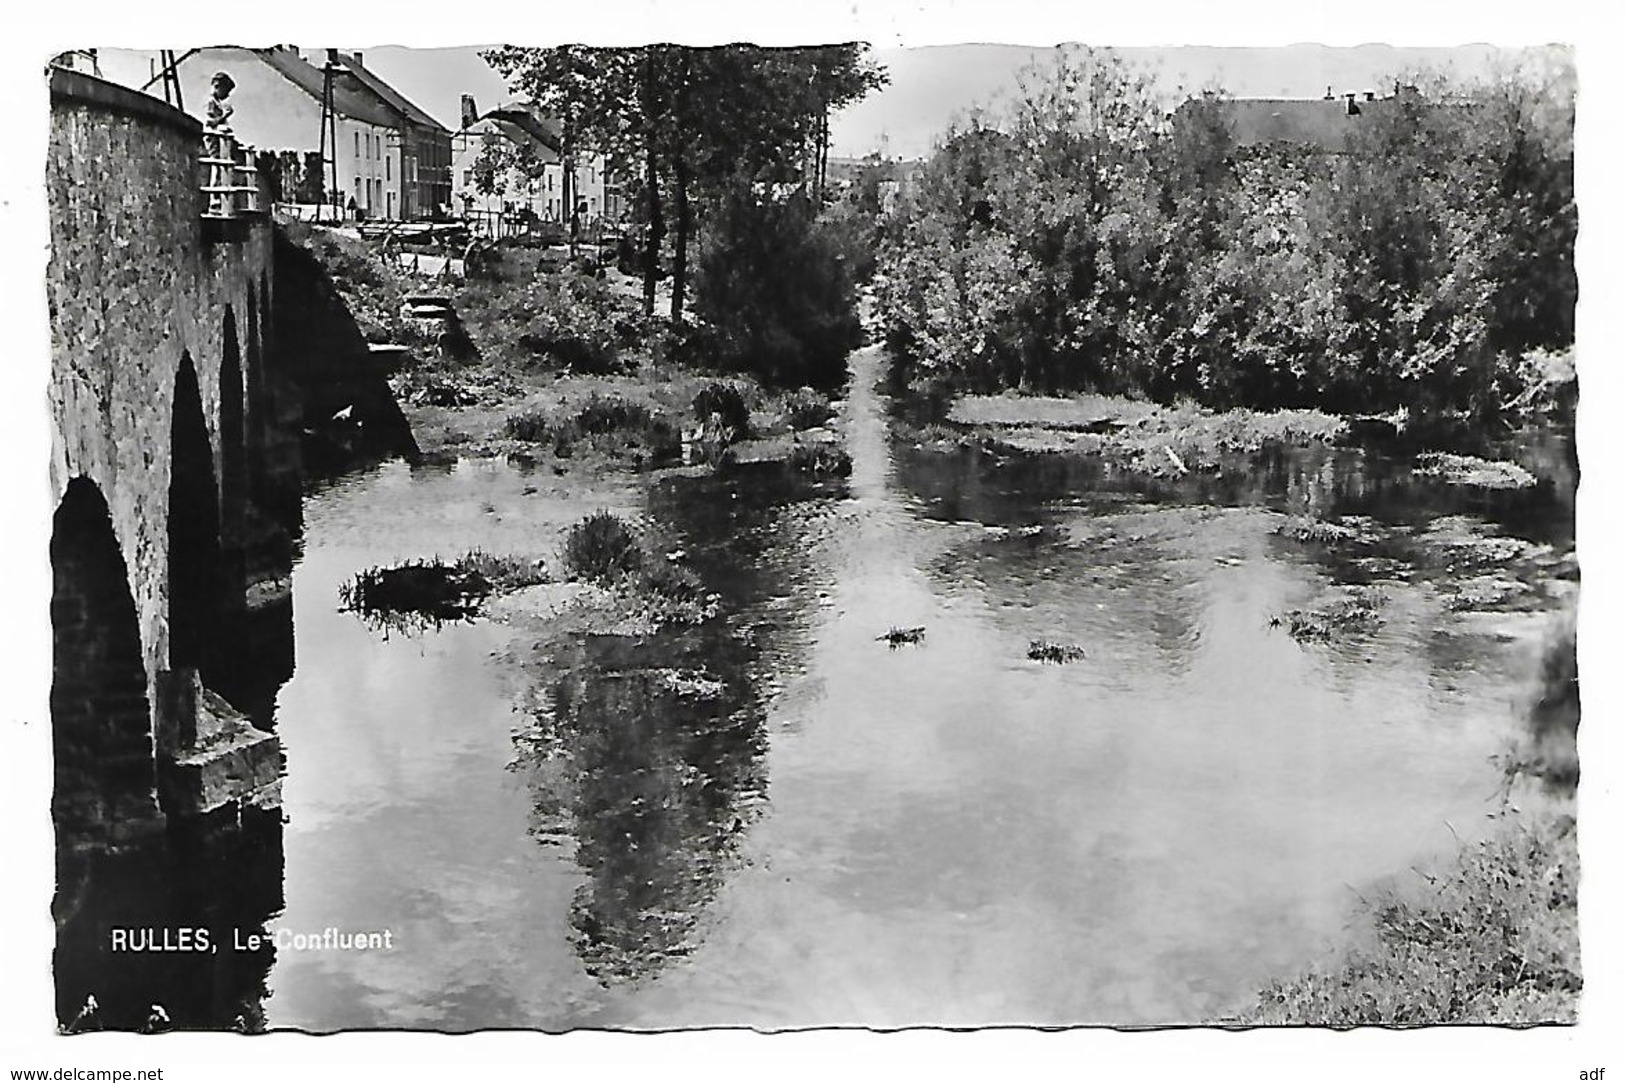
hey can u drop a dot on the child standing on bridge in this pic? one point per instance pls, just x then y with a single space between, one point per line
217 118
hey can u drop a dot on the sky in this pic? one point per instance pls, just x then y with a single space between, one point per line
932 85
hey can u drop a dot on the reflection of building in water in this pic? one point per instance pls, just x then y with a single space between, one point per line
159 924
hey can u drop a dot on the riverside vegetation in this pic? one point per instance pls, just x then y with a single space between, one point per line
1078 277
1088 241
1492 937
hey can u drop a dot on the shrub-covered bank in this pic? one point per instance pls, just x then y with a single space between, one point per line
1090 241
1491 938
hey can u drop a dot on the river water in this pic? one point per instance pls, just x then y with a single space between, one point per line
559 835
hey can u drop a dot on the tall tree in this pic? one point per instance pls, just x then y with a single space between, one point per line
700 119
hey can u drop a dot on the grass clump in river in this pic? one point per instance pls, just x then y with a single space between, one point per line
1472 472
1320 531
1139 436
606 550
1360 611
419 594
1493 937
902 637
1044 650
602 548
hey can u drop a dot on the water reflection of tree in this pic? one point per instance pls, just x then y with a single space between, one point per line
662 782
648 753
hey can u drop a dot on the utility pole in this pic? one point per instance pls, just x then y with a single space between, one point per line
329 140
171 77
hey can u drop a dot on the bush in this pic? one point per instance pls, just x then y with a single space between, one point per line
602 548
611 422
775 292
725 401
674 581
819 461
570 320
603 414
805 408
1079 243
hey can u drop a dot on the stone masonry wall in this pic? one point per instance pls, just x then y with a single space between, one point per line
132 287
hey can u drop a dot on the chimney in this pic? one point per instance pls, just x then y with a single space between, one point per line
1352 109
1371 95
358 61
470 112
1328 96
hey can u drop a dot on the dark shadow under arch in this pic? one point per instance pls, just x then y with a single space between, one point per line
233 431
101 722
255 418
195 579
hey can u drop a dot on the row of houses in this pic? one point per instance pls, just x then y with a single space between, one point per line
391 159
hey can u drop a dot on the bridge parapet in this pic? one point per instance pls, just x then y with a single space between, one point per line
234 186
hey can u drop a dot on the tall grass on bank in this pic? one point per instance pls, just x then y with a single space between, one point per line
1493 938
607 550
608 421
603 549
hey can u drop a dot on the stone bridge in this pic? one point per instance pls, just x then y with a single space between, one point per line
179 393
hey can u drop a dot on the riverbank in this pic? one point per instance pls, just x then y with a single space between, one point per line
1491 936
1491 939
548 363
1152 440
549 359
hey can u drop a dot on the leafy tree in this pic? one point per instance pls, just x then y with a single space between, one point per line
1087 240
688 121
773 292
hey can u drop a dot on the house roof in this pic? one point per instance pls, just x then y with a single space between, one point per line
355 103
519 124
1321 123
391 97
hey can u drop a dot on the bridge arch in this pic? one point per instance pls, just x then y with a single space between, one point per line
101 723
255 419
195 577
234 463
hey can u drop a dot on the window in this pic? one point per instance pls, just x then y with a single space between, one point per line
358 144
386 168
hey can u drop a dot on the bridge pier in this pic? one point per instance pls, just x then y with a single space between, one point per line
178 494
